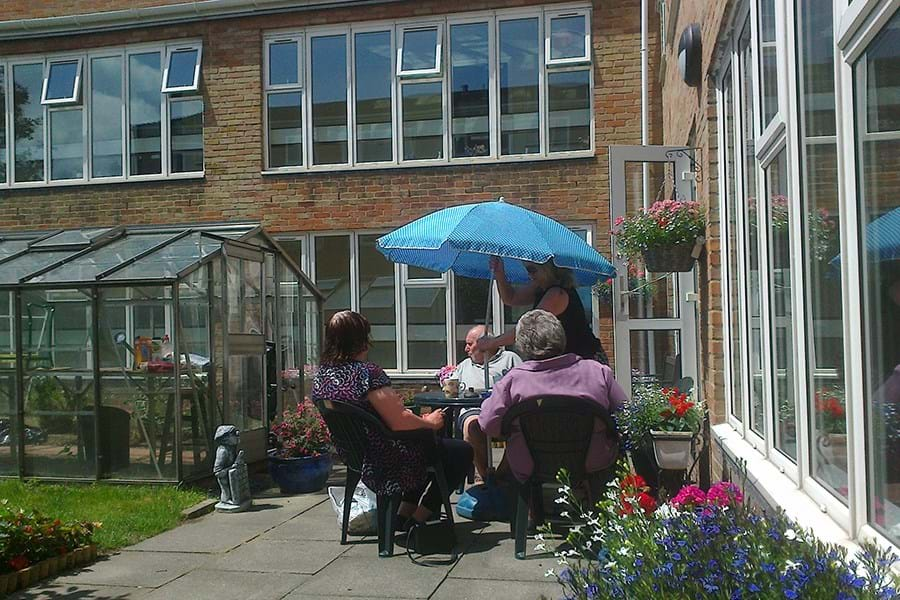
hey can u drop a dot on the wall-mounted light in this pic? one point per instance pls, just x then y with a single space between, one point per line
690 55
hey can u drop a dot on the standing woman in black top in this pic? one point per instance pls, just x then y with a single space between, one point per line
552 289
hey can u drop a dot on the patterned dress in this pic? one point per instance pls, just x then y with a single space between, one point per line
391 466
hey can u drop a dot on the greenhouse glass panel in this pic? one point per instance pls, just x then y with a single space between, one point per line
22 266
169 260
88 266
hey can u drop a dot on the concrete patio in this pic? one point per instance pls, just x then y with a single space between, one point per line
288 547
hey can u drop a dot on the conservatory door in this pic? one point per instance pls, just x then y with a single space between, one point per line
655 313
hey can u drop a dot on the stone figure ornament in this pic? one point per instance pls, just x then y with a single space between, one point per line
231 471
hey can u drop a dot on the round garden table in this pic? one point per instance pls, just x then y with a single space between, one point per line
437 401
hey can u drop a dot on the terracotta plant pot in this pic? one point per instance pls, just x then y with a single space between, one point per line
672 449
670 259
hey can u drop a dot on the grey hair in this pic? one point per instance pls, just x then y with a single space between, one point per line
540 335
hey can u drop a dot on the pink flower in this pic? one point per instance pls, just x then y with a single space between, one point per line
619 220
689 495
724 493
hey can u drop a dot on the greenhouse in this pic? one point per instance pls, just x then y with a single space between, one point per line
123 348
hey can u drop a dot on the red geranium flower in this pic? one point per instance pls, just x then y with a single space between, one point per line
18 563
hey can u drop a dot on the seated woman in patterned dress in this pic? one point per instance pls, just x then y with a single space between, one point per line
391 466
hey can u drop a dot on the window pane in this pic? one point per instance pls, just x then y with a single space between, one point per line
374 130
781 213
470 78
66 144
751 237
735 273
182 65
285 129
106 116
567 37
2 125
827 391
186 131
28 122
426 318
879 214
376 301
419 49
423 121
569 99
333 272
413 272
882 106
471 304
768 65
329 99
61 80
283 64
144 121
519 94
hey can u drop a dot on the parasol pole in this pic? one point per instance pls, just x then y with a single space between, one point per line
487 317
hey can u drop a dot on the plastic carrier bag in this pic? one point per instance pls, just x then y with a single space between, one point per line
363 510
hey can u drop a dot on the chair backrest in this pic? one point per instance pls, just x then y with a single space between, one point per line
558 432
349 426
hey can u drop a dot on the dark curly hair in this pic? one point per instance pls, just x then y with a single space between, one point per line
346 335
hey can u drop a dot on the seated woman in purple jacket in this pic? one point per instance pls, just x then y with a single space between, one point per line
548 372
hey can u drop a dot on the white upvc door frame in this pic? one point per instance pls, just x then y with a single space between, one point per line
686 323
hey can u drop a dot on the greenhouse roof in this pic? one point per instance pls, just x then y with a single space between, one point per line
122 255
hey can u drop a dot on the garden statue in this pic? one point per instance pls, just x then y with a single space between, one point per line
231 471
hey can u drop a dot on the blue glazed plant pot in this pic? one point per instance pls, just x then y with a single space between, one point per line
300 475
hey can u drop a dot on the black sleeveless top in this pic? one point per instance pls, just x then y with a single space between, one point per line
580 339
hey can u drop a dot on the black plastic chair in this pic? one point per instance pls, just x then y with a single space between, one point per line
349 426
557 432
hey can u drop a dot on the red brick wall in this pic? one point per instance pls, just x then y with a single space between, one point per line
30 9
573 190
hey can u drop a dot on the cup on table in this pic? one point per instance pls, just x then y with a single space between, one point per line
451 387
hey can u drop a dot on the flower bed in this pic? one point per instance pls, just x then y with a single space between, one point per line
707 545
33 546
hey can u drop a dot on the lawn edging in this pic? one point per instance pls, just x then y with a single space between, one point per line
19 580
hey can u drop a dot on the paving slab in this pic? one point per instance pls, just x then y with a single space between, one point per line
318 523
372 577
56 591
135 569
478 589
208 584
492 556
279 556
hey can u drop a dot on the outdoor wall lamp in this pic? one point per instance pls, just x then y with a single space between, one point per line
690 55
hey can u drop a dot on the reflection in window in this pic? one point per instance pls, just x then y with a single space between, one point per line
471 304
106 116
827 390
374 131
186 131
66 144
877 106
569 108
28 122
283 63
376 301
182 72
420 52
751 235
2 125
470 100
780 216
768 61
62 81
519 91
333 272
144 119
329 99
426 335
285 129
423 121
567 37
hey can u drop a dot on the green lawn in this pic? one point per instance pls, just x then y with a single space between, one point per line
129 513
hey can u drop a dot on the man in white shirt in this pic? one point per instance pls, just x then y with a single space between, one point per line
470 373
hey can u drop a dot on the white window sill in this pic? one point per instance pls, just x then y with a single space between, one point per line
102 181
779 490
429 164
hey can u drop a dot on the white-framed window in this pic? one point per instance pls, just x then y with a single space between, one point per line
102 116
182 71
62 81
567 38
419 317
419 52
471 87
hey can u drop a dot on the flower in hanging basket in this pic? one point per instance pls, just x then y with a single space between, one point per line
301 432
445 373
680 414
666 223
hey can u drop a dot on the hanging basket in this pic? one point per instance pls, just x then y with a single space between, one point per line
673 449
676 258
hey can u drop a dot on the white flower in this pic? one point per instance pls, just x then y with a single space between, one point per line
560 500
610 565
790 565
540 548
564 514
790 534
563 490
623 551
550 573
562 561
539 537
576 529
